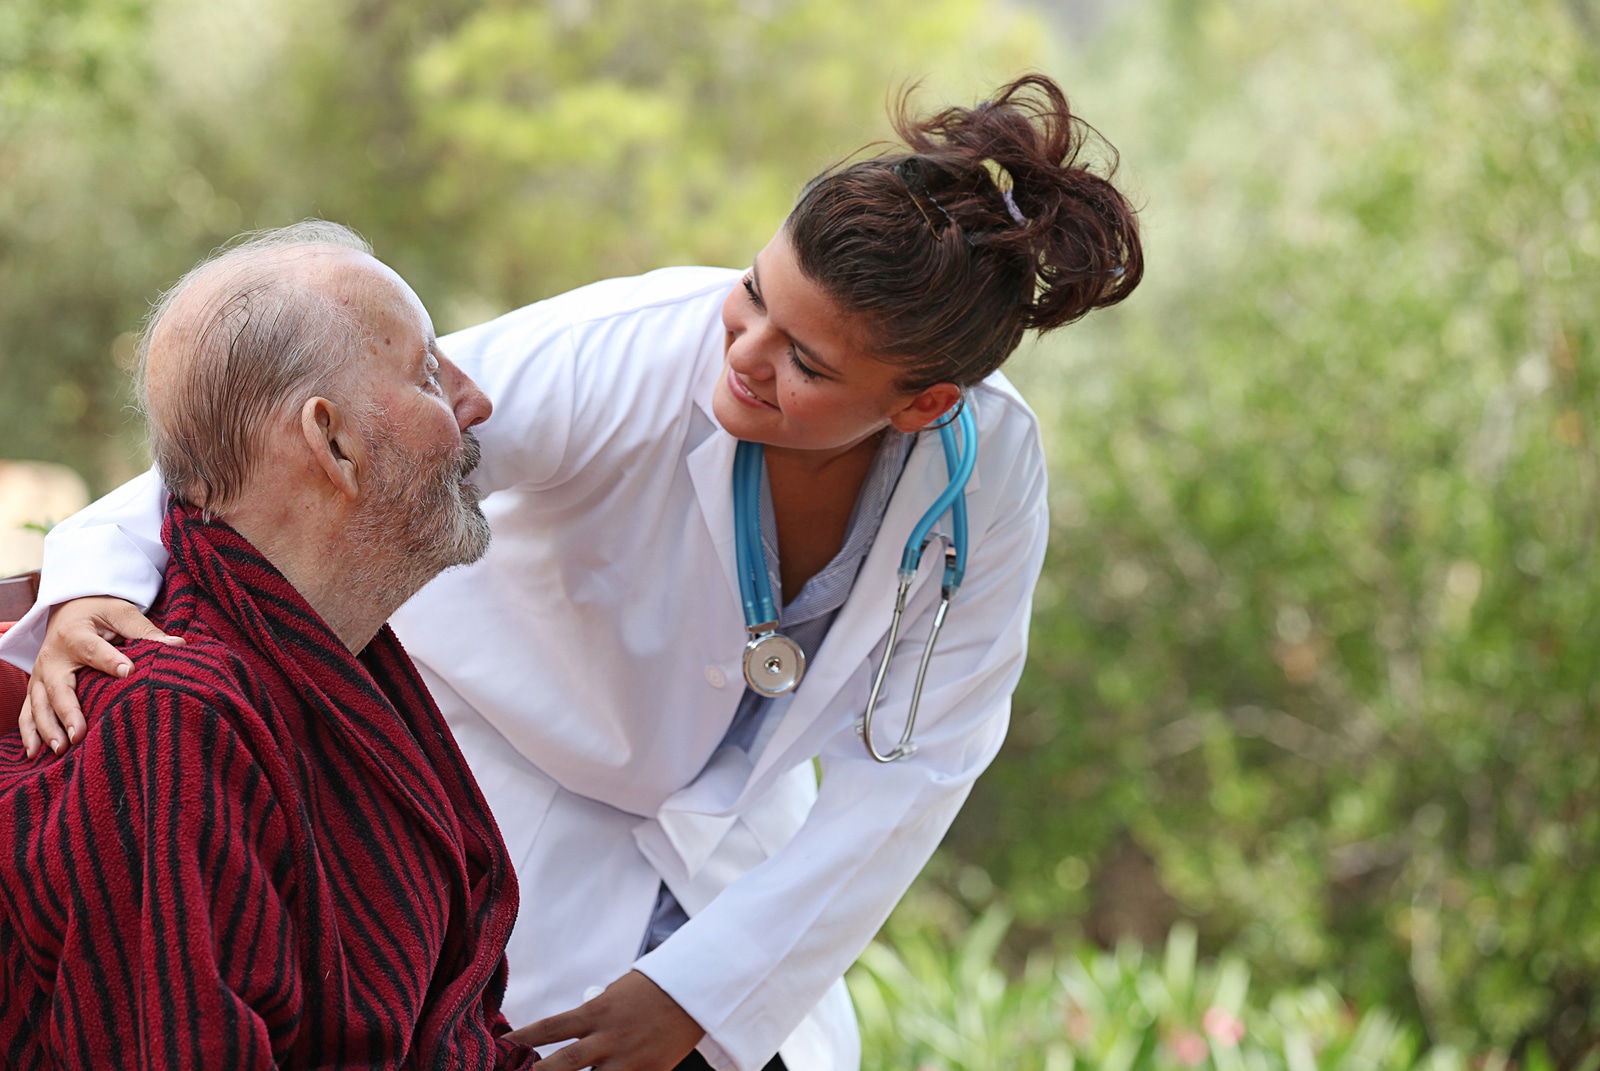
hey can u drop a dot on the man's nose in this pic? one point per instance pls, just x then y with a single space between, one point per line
470 404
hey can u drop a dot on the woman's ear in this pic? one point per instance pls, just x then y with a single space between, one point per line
336 449
925 407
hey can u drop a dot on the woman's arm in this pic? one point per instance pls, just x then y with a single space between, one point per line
555 406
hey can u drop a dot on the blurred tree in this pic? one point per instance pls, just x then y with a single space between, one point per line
574 138
80 194
493 152
1319 625
134 136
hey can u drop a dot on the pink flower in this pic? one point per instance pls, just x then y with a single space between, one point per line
1223 1026
1191 1049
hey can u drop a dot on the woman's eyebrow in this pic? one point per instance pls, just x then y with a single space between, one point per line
812 357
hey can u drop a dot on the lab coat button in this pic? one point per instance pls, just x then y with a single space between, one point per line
592 992
715 677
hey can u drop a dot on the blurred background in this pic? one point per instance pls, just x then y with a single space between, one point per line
1305 768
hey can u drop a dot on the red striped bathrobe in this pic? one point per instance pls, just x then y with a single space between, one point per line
265 851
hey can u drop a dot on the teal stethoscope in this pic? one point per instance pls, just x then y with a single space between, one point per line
773 663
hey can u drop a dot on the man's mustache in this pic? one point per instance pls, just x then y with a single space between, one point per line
471 454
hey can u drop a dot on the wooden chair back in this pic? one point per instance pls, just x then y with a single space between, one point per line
17 594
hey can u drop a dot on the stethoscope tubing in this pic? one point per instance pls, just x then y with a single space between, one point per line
960 469
959 465
755 588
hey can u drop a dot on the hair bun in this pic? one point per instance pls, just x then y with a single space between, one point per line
1014 172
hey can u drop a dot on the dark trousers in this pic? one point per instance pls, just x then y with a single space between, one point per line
696 1062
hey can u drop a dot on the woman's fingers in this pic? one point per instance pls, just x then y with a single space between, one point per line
85 636
632 1026
85 648
78 637
574 1057
31 741
124 619
48 694
567 1025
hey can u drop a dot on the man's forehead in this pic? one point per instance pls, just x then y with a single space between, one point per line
368 282
349 278
368 287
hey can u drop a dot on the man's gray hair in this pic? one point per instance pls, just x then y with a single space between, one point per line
265 341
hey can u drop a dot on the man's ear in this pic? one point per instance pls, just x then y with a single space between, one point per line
926 407
336 449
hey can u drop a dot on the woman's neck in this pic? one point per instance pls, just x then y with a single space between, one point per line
814 493
819 464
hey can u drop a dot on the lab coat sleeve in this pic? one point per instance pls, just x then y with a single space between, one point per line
111 547
528 370
752 964
570 375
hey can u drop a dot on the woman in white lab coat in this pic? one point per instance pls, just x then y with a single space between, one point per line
687 882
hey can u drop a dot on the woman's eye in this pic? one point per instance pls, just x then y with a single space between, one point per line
750 291
805 370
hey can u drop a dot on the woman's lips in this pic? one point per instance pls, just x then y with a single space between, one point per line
737 388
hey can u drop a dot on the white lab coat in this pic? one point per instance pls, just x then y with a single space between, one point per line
590 666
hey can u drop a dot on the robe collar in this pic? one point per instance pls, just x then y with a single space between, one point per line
376 703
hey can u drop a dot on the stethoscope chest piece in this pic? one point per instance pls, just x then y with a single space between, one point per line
773 664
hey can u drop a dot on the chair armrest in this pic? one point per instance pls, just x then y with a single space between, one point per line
13 689
17 594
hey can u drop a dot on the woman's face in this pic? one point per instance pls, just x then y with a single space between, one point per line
799 372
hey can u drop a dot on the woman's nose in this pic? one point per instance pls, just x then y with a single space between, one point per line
751 353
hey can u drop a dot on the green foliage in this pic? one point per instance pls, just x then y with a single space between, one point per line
494 153
133 138
933 1003
627 135
1317 632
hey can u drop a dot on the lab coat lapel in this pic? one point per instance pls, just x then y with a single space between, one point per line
711 472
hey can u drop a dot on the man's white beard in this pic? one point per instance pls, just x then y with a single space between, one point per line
420 517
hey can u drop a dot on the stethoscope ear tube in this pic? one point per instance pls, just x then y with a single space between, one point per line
960 465
865 727
773 663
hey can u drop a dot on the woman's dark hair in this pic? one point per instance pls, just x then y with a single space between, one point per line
992 224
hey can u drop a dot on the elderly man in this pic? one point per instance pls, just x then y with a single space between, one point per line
266 848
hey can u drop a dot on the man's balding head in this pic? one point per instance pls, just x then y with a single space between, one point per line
296 391
238 343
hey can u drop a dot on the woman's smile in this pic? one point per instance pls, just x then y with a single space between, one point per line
743 393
